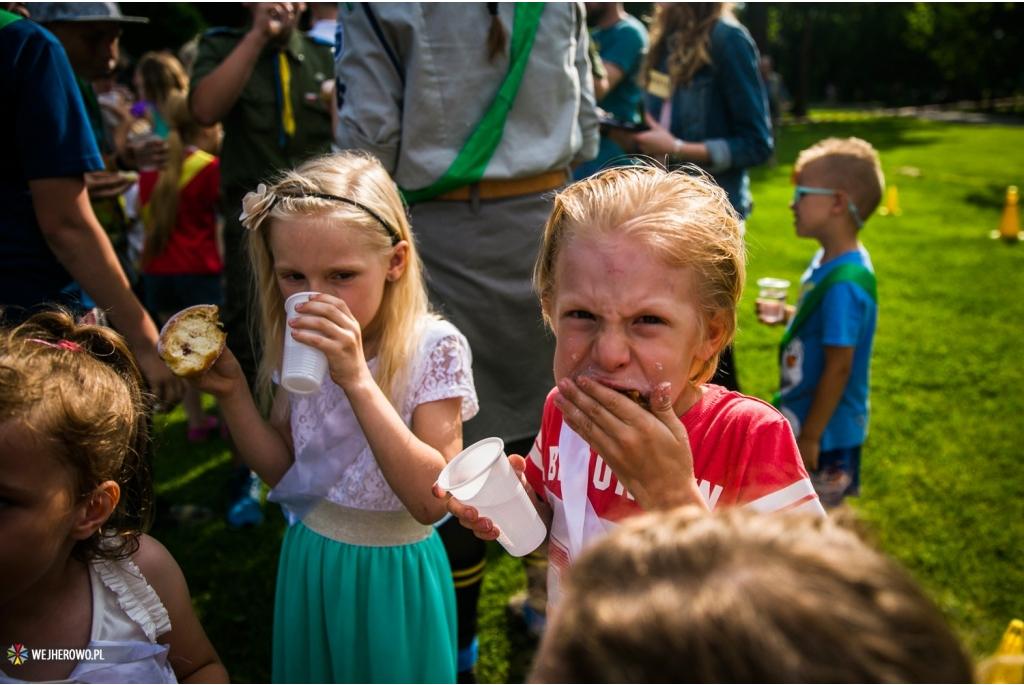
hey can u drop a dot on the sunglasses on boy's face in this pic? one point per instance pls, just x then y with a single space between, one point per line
800 191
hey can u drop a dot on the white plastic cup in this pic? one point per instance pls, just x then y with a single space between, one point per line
773 292
481 477
303 368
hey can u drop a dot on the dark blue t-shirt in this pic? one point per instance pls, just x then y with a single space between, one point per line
47 135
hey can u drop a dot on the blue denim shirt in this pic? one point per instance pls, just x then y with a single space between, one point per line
725 107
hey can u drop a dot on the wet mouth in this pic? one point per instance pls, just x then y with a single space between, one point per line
635 395
640 398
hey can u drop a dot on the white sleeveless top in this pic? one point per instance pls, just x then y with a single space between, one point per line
332 457
127 618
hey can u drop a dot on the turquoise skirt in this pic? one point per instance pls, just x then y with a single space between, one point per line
346 613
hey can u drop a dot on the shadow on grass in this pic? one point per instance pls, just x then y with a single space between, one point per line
231 573
992 196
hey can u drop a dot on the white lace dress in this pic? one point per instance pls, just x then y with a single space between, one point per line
332 457
347 612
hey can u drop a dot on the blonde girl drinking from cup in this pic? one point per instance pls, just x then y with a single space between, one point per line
363 590
75 499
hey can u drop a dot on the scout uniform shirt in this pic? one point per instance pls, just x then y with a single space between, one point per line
257 141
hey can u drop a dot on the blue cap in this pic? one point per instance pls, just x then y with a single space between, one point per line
47 12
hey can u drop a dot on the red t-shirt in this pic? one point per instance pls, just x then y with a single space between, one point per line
744 454
192 248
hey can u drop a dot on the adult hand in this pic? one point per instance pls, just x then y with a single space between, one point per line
326 323
106 184
810 450
167 387
273 20
624 139
657 141
648 451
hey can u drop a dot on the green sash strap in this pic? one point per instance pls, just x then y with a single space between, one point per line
845 273
472 160
8 18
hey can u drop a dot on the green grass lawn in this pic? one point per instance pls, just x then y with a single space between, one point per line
943 482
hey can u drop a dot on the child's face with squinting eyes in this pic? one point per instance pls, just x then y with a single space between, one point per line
628 319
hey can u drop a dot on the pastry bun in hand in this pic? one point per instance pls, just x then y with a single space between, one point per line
191 340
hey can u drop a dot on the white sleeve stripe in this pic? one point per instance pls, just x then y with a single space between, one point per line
780 499
811 506
535 455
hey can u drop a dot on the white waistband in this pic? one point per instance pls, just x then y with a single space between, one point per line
365 528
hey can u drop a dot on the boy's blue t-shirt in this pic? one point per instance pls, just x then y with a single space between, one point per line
48 136
624 45
845 317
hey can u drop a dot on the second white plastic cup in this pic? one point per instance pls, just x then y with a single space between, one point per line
481 477
303 368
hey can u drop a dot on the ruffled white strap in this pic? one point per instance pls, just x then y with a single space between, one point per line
138 599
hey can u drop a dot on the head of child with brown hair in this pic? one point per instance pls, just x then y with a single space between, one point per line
850 169
735 596
161 215
331 210
77 392
75 488
639 276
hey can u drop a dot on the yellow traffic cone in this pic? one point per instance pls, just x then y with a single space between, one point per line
1009 225
892 203
1012 645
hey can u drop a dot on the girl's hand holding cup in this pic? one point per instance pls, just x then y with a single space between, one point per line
482 473
325 323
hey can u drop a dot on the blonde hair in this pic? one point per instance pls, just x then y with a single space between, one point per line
682 216
736 596
79 388
361 178
848 164
162 214
683 31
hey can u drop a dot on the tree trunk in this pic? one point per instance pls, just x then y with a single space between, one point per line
803 94
755 17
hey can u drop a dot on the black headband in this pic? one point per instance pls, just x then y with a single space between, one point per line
337 198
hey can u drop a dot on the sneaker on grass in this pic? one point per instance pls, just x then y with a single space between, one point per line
244 508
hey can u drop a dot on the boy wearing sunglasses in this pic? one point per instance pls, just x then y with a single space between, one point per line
825 353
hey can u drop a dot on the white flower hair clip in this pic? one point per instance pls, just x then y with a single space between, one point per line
255 206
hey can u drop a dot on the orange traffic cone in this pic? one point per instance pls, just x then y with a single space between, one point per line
1009 668
892 203
1009 225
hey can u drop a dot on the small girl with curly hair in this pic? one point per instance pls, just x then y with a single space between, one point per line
78 573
